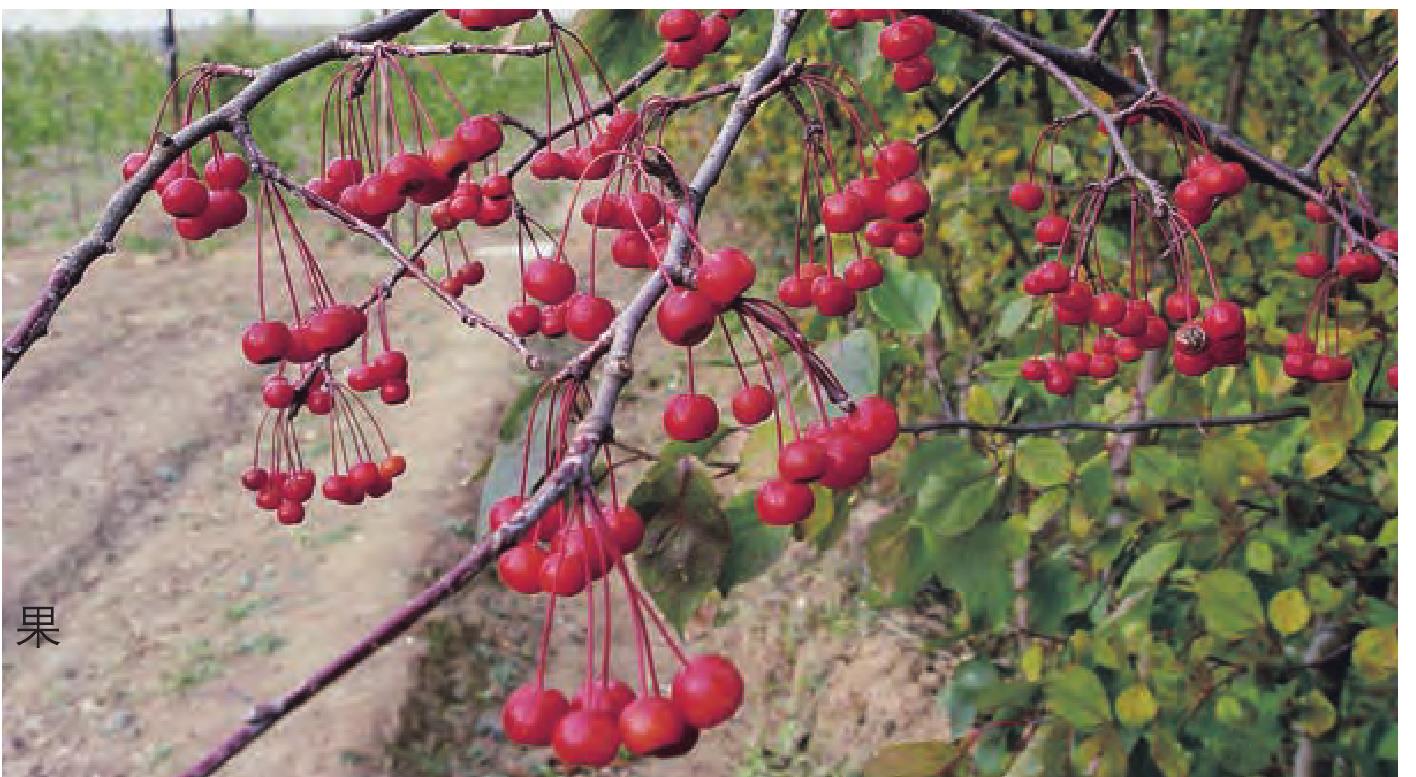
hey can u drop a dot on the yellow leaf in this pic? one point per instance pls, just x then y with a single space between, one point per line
1374 653
1031 663
1135 706
1315 715
1284 235
1288 611
1321 458
979 405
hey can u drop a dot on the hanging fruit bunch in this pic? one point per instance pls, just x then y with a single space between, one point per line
200 204
1315 351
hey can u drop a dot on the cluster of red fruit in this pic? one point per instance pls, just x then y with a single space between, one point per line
284 484
428 178
578 548
834 453
885 208
1302 357
1205 336
199 204
904 42
1208 181
690 37
481 20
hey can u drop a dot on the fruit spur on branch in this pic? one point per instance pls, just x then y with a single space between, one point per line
1112 301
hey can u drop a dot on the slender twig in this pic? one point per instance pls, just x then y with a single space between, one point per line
1102 28
972 94
71 266
1329 142
1122 427
574 467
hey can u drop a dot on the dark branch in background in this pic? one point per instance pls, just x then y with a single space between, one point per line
72 265
1239 71
1329 142
1160 44
1125 427
1327 19
1220 139
574 469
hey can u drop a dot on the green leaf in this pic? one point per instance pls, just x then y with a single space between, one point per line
1228 603
1014 316
1258 556
963 511
855 359
1135 706
899 554
1047 504
1377 436
1094 485
1043 462
976 564
755 545
960 696
1170 757
1321 458
757 461
1150 567
1046 749
1288 611
906 300
912 759
1076 694
687 536
828 518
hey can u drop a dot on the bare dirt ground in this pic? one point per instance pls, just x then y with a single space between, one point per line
180 604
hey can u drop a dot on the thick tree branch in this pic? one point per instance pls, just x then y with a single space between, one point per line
1125 427
593 431
72 265
1328 143
1220 139
356 48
